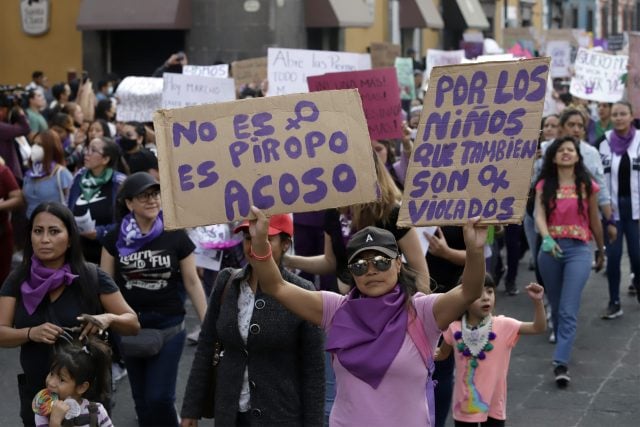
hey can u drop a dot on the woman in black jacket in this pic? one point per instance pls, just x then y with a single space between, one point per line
272 367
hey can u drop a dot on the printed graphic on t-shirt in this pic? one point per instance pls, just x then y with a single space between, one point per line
148 269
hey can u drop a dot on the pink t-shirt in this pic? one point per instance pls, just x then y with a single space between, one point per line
400 399
565 221
489 383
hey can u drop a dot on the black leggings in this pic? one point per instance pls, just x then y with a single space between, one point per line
491 422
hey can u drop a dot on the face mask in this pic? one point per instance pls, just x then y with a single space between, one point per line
110 90
37 153
128 144
413 133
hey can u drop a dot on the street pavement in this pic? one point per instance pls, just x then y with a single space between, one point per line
605 369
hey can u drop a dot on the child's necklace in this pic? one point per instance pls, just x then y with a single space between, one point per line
473 343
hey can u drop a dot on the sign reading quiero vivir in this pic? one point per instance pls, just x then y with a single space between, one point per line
476 143
294 153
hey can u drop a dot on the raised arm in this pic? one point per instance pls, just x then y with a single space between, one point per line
303 303
319 264
539 324
451 305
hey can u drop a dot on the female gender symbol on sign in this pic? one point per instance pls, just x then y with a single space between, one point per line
312 117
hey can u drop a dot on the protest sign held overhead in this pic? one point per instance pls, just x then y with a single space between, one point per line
598 76
384 54
476 143
296 153
139 98
437 58
380 95
288 69
560 53
220 71
404 70
249 71
180 90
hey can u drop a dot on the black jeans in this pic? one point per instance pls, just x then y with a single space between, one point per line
491 422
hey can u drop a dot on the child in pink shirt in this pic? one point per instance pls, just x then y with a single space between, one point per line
483 343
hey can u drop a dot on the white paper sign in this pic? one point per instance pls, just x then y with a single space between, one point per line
288 69
180 90
598 76
85 223
220 71
139 98
437 57
496 57
560 53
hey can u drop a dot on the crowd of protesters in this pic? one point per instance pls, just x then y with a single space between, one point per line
290 318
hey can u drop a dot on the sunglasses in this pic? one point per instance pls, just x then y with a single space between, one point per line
360 267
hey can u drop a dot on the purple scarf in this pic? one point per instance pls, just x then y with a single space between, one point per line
43 280
131 239
619 143
367 334
37 170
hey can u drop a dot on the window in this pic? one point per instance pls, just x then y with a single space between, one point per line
589 20
604 12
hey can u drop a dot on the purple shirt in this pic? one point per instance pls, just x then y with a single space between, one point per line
400 399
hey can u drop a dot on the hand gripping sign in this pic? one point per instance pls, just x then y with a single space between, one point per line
292 153
476 143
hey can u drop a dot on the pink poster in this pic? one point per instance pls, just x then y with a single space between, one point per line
633 76
380 96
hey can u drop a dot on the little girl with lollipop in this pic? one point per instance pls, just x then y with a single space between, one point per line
483 343
79 371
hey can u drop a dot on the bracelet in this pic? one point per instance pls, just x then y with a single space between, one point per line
28 334
261 257
609 222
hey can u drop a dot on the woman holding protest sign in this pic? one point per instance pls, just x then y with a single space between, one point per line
383 333
153 268
620 151
567 218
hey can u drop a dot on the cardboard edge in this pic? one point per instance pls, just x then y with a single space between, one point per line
163 132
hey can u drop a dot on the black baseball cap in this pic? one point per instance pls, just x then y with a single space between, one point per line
137 183
372 239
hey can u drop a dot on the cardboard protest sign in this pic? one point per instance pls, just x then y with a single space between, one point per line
380 95
296 153
437 58
598 76
560 53
248 71
404 70
180 90
633 78
220 71
139 98
384 54
476 143
288 69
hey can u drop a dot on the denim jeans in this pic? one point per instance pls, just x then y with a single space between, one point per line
153 380
512 239
330 387
564 279
629 228
444 389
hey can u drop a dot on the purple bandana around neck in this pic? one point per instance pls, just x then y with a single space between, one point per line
620 143
43 280
37 170
131 239
367 333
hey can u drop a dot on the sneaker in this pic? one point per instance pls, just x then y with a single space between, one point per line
562 376
118 372
552 337
511 289
612 311
193 337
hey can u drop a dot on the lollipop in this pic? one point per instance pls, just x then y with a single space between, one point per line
43 401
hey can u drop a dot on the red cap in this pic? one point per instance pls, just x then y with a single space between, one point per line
282 223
